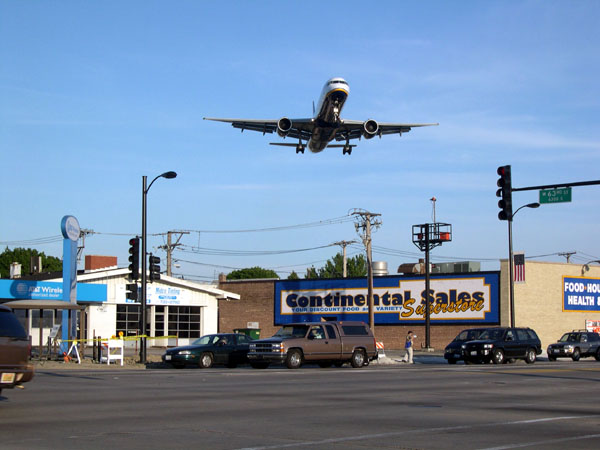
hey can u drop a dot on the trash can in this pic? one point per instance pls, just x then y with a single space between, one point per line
254 333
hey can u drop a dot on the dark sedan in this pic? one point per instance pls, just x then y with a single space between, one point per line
229 349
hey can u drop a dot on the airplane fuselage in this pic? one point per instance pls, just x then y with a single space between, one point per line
325 126
327 115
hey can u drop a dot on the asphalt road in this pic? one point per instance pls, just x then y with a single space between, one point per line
432 406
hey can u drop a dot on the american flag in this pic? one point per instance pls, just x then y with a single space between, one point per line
519 271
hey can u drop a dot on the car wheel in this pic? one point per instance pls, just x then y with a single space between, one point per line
530 356
451 361
551 358
576 355
358 359
259 365
206 360
498 356
293 359
597 355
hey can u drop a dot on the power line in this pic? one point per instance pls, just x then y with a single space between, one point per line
35 241
320 223
226 252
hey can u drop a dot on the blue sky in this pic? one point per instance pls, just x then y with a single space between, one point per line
95 95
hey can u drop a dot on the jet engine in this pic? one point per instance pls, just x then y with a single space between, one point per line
284 126
370 129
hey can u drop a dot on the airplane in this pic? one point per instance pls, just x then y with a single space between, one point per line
325 126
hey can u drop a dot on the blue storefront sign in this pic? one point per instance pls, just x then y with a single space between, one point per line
581 294
49 290
464 298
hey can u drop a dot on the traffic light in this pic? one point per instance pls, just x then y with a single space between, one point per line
131 291
505 193
134 258
154 268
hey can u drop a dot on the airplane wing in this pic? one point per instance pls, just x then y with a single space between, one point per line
353 129
301 128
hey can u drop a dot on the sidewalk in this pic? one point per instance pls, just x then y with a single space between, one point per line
130 361
419 357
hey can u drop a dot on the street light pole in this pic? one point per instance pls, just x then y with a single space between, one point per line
511 292
143 316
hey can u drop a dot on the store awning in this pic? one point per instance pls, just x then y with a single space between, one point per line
42 304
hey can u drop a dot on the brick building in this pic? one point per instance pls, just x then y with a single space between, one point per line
541 302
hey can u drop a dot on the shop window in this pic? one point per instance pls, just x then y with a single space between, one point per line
184 321
47 318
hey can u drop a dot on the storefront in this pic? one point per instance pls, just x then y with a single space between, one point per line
175 307
551 298
178 308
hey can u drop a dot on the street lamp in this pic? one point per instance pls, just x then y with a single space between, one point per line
586 267
510 261
144 318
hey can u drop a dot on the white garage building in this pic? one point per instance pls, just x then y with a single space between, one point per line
176 307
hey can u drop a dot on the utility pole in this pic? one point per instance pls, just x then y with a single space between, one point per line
344 244
169 247
365 221
567 255
82 234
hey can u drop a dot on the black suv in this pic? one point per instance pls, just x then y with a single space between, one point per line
576 344
454 351
499 345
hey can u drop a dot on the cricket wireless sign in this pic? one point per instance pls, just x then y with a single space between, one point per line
472 298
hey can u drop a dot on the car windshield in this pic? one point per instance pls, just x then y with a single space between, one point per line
10 326
207 340
292 331
569 337
468 335
492 335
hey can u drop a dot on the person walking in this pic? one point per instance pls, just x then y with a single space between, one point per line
408 346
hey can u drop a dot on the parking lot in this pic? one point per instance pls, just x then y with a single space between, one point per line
426 405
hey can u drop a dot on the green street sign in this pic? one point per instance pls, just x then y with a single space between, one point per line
559 195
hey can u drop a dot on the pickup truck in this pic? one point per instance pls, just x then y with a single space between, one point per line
324 343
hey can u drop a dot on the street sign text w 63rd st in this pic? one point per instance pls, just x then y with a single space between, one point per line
559 195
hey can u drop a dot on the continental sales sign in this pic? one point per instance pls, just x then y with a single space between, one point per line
581 294
464 298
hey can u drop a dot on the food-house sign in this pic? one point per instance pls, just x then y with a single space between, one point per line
581 294
466 298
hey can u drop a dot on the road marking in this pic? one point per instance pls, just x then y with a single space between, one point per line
423 430
550 441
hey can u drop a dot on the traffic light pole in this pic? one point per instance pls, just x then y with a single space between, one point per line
143 315
511 288
143 318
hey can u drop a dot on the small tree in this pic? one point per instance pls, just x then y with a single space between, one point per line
251 273
293 276
334 268
311 273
